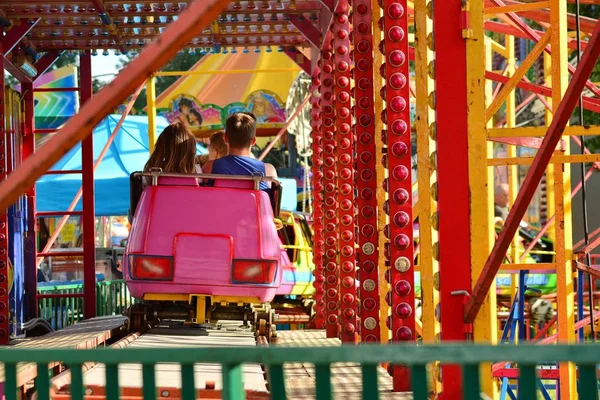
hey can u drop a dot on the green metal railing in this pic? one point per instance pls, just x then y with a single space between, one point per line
112 298
470 357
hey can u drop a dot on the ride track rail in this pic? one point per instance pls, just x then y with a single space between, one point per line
259 381
168 377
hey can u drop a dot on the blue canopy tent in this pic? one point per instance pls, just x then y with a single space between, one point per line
128 153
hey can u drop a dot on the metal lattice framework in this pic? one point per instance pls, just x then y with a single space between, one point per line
467 104
366 182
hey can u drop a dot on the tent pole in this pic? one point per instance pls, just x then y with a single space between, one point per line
151 110
88 220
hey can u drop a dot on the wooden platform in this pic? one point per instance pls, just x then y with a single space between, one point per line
346 378
168 376
84 335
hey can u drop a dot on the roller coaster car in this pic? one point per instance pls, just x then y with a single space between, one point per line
297 285
203 252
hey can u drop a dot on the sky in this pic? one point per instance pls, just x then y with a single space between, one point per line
105 65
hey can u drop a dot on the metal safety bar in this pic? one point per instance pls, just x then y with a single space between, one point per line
257 179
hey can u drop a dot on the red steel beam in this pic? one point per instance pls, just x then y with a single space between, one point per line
14 71
344 142
45 62
300 59
310 32
532 180
364 130
88 205
515 19
499 27
325 20
581 243
453 180
543 15
30 242
329 185
589 103
318 197
530 142
400 250
197 15
4 239
14 36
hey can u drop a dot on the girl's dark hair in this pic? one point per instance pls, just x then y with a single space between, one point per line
185 102
175 150
197 114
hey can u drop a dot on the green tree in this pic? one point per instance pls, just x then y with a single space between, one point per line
183 61
589 117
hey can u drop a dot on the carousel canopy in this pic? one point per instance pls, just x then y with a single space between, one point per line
218 86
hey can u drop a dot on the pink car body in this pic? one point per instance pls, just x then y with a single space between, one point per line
213 241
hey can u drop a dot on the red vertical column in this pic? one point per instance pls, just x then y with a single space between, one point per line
364 129
4 309
452 177
318 198
30 239
399 184
330 190
345 177
89 219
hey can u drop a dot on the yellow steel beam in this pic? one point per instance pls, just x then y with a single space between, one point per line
513 171
518 75
498 48
530 267
563 244
384 309
540 131
426 175
515 8
417 209
557 159
485 329
226 72
550 170
151 110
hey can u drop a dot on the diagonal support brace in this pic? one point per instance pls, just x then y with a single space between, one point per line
299 58
17 33
43 64
534 176
197 15
307 29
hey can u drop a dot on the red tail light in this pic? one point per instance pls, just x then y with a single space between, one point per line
254 271
151 267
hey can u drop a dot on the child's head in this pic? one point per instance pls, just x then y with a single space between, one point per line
175 150
240 130
217 146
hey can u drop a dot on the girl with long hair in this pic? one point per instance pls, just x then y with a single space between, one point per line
175 151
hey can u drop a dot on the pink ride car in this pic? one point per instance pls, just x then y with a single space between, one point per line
191 239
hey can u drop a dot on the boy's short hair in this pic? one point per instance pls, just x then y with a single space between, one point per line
240 129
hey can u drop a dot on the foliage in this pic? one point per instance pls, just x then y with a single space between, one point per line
183 61
589 117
